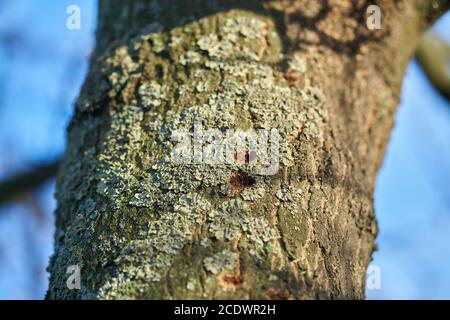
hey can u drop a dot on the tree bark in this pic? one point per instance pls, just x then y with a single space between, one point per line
141 226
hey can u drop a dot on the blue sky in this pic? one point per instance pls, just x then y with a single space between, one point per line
42 66
412 198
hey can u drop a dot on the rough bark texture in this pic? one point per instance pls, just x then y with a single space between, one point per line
140 226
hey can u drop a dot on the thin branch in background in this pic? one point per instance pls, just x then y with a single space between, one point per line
433 55
25 182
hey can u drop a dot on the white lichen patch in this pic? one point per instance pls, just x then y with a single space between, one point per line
191 285
234 219
149 258
124 65
241 37
254 192
249 28
220 262
190 58
297 63
152 94
115 173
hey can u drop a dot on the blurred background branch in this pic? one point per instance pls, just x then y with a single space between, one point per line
12 188
433 55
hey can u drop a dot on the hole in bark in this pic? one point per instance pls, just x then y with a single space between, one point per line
291 77
231 280
240 181
277 294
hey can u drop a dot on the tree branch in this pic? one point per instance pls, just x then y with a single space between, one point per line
433 55
27 181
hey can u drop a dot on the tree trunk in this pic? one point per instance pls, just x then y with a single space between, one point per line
141 225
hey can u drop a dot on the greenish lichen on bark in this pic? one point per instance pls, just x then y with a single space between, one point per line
141 226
